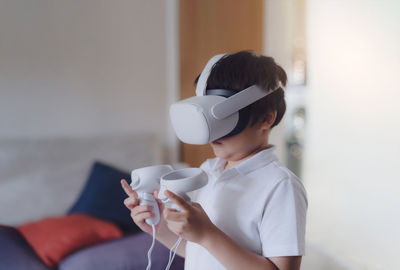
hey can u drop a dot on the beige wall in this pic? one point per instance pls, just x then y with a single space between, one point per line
79 68
352 167
277 45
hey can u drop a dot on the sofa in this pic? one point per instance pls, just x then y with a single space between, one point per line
61 204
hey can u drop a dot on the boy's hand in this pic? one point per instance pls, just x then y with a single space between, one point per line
140 213
191 223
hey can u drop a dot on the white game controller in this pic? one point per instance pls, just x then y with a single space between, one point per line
180 182
144 182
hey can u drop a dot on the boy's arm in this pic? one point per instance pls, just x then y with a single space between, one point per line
233 256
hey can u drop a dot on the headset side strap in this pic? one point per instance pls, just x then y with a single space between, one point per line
240 100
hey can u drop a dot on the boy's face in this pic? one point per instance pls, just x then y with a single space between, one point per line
252 139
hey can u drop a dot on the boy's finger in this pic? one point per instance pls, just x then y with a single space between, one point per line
131 202
128 189
180 202
172 215
159 202
143 216
141 209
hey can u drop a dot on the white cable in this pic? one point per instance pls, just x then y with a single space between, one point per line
151 248
174 248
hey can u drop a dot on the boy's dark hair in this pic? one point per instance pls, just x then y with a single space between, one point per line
243 69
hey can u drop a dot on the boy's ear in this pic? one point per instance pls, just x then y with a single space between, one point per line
269 120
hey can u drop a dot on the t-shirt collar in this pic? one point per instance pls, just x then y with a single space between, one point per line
260 159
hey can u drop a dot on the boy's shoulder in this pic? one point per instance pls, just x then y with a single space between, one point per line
272 170
277 171
267 178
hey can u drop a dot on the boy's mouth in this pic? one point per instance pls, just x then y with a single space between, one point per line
216 142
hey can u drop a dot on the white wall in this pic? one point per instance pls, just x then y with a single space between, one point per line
352 167
79 68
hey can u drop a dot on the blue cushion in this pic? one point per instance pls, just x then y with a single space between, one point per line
103 197
15 252
125 253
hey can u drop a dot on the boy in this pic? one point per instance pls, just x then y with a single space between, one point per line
251 214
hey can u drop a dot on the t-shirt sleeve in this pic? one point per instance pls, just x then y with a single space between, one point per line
282 228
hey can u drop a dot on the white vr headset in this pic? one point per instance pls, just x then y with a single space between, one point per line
205 118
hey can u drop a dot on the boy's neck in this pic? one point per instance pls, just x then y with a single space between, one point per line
232 163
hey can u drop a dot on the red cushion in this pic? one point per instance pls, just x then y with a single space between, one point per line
55 237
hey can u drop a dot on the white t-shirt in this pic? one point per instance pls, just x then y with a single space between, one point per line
259 203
